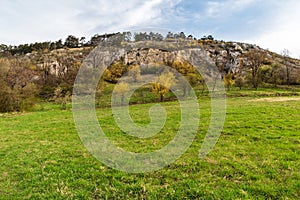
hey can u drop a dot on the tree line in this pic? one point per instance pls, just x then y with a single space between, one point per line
76 42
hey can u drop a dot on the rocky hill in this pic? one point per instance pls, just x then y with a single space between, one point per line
59 66
228 56
49 72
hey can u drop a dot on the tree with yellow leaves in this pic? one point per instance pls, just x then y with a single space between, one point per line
120 90
162 84
228 80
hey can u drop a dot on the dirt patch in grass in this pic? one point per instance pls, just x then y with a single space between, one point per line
276 99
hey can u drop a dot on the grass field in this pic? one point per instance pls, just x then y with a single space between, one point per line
257 155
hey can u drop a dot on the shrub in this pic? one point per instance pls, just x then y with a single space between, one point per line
17 99
17 92
62 97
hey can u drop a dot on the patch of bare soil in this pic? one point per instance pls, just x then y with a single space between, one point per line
276 99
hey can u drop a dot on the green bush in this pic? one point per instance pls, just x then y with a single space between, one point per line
17 99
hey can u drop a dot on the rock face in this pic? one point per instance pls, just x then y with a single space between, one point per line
148 56
59 62
227 56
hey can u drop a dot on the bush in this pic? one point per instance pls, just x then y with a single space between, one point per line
17 91
17 99
8 100
62 97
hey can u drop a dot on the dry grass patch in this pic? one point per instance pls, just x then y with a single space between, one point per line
276 99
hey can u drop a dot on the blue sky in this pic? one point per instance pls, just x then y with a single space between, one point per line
271 24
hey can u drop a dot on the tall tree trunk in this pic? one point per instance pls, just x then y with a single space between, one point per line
287 74
161 97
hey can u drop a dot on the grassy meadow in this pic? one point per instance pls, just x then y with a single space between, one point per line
256 157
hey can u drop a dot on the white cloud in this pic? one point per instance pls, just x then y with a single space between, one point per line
217 9
270 24
34 20
146 13
283 31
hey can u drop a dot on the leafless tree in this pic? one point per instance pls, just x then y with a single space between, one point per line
286 56
255 59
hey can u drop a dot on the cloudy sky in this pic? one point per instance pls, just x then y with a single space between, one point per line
272 24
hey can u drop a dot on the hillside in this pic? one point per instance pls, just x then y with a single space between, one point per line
228 54
51 68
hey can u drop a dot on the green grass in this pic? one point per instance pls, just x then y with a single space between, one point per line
144 95
257 156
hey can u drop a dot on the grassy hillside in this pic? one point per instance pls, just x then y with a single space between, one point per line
257 155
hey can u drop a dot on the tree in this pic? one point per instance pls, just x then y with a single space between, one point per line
127 36
182 36
62 97
276 74
3 48
114 72
99 91
255 59
286 55
96 39
72 41
228 80
59 44
120 90
43 60
117 38
141 37
191 80
239 80
155 36
220 63
82 41
162 84
210 37
183 67
17 87
170 37
135 73
190 74
190 37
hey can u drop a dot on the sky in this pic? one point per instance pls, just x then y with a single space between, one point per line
271 24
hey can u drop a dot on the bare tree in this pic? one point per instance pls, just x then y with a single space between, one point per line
255 59
17 87
286 55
